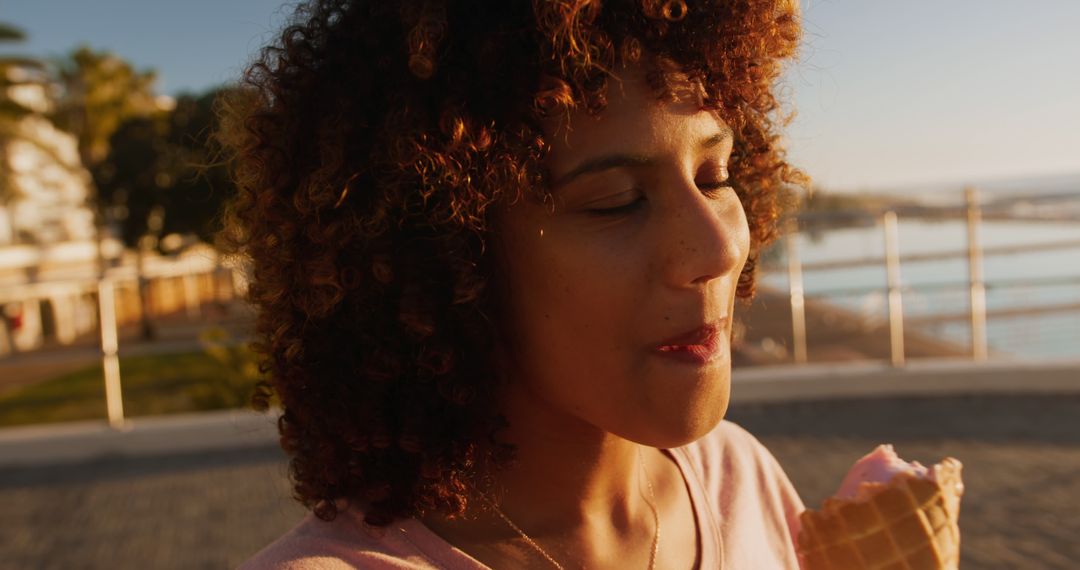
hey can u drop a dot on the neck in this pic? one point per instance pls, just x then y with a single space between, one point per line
568 472
581 493
573 488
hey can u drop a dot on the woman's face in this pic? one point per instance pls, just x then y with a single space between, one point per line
642 241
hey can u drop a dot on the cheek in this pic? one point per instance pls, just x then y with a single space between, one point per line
578 292
573 302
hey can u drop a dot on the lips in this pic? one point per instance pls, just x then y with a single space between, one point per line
702 336
700 347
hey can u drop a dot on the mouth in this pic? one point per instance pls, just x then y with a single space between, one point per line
699 346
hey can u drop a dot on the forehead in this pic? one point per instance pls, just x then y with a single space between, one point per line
636 119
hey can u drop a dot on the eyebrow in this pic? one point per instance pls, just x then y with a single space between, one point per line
608 162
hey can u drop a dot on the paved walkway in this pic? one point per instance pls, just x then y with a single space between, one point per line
196 508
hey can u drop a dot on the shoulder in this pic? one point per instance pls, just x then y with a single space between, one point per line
344 543
739 472
749 494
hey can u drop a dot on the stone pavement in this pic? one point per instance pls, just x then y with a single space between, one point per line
1021 456
191 508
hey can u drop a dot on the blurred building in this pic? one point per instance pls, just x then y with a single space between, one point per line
49 292
46 188
49 254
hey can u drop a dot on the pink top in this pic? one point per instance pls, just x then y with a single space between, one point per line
746 508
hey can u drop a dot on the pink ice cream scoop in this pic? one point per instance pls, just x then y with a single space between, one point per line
878 466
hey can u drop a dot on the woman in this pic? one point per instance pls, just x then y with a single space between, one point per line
495 249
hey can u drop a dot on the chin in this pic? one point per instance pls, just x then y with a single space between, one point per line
699 425
699 414
676 428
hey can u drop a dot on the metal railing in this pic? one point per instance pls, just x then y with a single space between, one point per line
106 288
975 287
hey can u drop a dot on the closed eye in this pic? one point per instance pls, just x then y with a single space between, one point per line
713 186
619 210
709 188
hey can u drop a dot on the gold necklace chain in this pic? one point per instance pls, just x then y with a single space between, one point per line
555 563
529 540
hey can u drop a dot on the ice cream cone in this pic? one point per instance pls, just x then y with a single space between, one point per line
909 523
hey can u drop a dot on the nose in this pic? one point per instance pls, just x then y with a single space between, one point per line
705 237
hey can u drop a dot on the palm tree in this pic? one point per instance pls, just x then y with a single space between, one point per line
13 71
99 92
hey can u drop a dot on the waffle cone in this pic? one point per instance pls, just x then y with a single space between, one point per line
910 523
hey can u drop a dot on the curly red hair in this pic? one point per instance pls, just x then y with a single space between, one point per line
370 144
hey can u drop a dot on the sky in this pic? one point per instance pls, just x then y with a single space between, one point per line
888 95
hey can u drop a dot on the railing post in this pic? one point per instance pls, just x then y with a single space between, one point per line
976 286
110 361
192 300
798 300
892 272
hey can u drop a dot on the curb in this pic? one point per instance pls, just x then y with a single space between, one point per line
937 377
74 442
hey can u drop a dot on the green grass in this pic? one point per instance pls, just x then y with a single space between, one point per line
151 385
